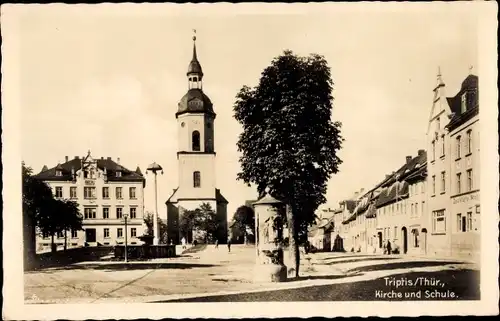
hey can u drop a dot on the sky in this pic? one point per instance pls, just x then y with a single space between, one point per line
108 80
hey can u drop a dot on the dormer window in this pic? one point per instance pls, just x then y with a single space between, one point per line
118 174
58 173
463 106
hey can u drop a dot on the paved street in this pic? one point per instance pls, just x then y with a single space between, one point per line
219 275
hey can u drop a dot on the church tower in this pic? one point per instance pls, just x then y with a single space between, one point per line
195 156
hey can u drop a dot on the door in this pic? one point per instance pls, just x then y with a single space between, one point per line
90 235
405 240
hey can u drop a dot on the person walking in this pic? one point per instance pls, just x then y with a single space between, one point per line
229 244
388 247
183 242
217 243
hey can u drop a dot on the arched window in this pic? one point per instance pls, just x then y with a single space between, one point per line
196 141
196 179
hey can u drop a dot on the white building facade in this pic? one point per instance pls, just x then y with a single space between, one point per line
106 193
196 159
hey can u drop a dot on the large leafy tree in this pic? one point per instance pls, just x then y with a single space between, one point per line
244 220
37 198
41 210
148 220
203 219
289 142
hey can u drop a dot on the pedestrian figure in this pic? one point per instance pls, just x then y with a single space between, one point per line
183 242
217 244
388 247
171 242
229 244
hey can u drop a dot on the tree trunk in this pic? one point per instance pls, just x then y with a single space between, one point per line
293 244
65 239
52 245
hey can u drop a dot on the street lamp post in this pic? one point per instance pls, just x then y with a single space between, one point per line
125 216
155 168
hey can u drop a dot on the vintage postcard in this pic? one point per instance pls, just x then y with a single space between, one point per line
268 160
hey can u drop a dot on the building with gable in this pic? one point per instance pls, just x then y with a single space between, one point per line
105 191
430 206
196 157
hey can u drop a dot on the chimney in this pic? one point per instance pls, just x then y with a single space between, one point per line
421 152
118 160
102 157
408 159
66 158
361 190
109 158
77 157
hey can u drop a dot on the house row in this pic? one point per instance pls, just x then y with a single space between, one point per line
430 205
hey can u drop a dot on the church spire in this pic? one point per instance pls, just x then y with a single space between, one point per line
195 73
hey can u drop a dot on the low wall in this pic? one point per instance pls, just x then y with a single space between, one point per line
70 256
144 252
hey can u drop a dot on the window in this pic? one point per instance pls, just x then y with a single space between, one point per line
196 141
469 180
433 150
469 141
59 191
459 183
438 222
423 187
131 191
105 192
119 193
433 184
58 173
89 213
412 210
106 233
196 179
74 234
89 192
416 209
119 232
133 232
60 235
423 208
72 192
463 106
443 182
85 174
119 212
45 235
415 238
442 145
469 221
105 213
459 145
133 212
395 232
118 174
459 222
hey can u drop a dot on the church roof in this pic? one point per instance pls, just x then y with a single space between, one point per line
103 163
195 101
469 85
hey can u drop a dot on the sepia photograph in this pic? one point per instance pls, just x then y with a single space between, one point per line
322 159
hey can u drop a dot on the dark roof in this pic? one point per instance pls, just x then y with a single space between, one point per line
195 101
219 198
76 164
194 66
469 86
350 205
250 203
371 212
